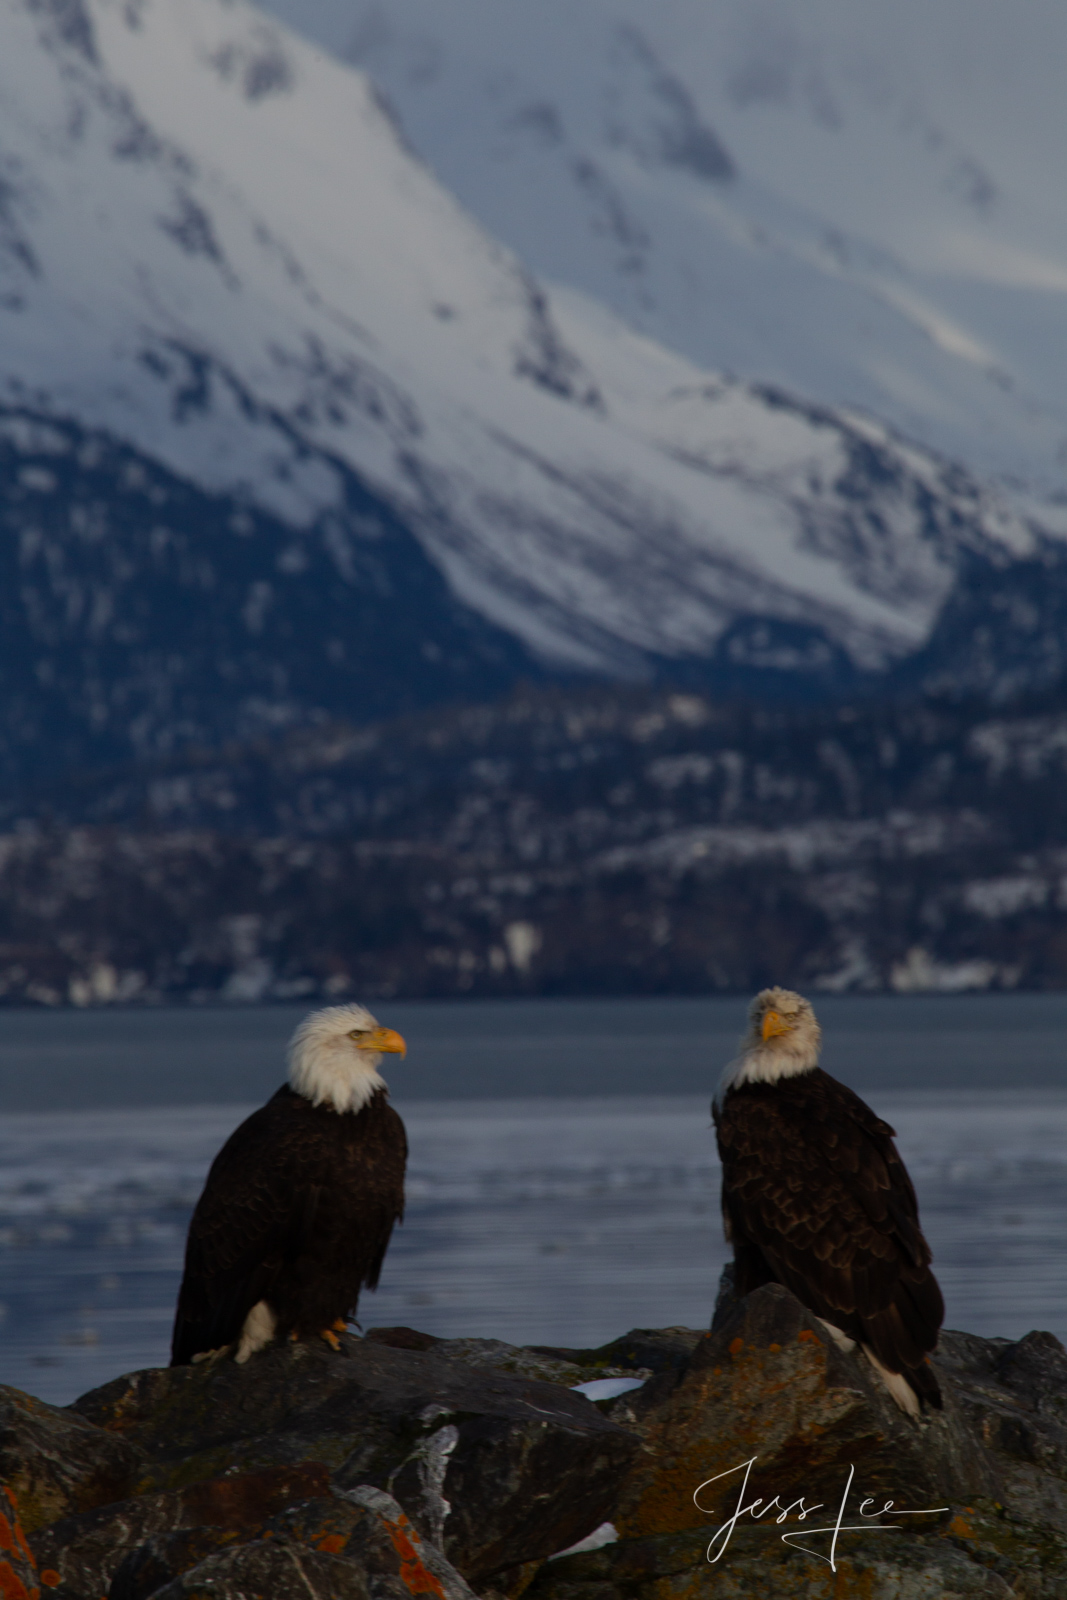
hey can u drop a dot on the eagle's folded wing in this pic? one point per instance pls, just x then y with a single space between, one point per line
239 1236
831 1207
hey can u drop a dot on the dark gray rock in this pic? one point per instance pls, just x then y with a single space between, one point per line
54 1462
497 1469
403 1338
504 1469
84 1551
370 1526
164 1557
1012 1401
770 1383
642 1349
758 1566
491 1355
364 1526
659 1348
273 1569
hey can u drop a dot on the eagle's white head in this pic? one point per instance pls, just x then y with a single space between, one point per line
334 1056
782 1041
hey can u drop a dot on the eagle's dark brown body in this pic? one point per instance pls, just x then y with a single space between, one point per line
297 1210
815 1197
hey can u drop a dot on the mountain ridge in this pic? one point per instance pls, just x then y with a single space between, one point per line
220 257
861 204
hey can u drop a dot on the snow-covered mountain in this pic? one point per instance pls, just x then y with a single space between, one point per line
860 201
221 268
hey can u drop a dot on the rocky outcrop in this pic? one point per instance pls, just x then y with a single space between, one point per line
359 1545
53 1463
771 1382
530 1467
84 1551
757 1460
969 1501
278 1569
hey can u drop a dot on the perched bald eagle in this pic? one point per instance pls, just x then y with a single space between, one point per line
815 1197
300 1202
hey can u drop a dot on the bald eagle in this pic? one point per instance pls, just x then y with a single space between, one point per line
300 1202
815 1197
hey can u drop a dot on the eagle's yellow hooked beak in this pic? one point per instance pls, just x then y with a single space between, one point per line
385 1040
773 1025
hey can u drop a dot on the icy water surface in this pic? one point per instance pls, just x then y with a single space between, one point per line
540 1221
563 1185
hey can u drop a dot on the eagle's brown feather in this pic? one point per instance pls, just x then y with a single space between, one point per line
298 1210
816 1197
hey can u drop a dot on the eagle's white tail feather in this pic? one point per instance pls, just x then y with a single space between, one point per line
842 1340
896 1383
258 1331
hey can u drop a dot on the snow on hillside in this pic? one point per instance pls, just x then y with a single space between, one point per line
215 245
862 202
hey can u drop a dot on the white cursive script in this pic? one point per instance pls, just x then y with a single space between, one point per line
760 1508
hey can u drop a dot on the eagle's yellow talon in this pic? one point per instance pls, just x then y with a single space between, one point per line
331 1339
339 1325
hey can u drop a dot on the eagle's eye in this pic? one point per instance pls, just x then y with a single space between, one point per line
358 1033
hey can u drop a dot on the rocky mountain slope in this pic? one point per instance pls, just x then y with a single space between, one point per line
275 409
861 203
558 842
141 613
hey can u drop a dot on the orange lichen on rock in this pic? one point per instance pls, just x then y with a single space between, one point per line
717 1418
332 1543
770 1392
12 1586
414 1575
14 1527
960 1529
17 1576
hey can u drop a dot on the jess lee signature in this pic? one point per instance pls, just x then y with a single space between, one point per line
759 1508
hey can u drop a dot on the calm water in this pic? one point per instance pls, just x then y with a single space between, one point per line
69 1060
563 1185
